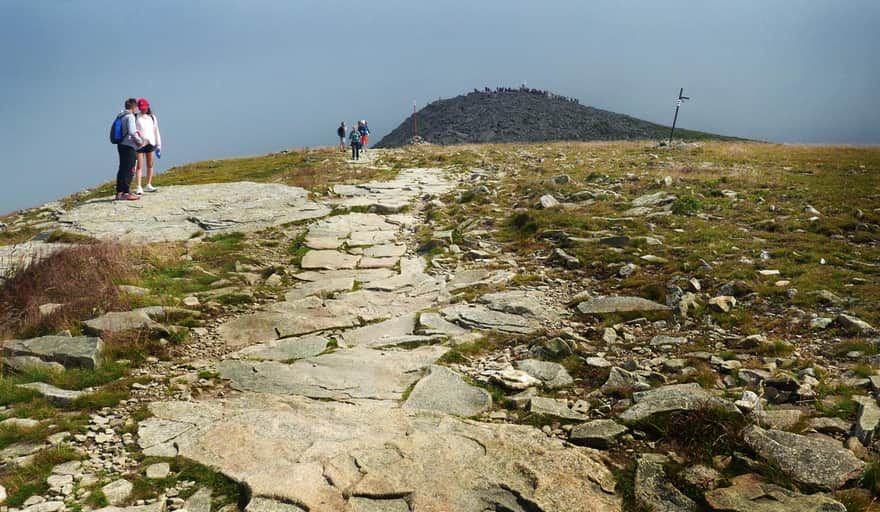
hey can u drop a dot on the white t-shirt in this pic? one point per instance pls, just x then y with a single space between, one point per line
148 126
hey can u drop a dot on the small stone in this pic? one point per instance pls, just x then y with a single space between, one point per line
609 335
722 303
22 423
701 476
654 490
515 379
556 407
627 270
748 402
599 434
158 471
867 419
118 491
191 301
547 202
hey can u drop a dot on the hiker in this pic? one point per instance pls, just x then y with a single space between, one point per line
341 131
355 138
148 127
365 134
127 147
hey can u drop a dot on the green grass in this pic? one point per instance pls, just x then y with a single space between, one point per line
297 249
22 483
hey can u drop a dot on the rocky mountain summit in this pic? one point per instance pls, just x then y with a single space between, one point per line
523 115
558 327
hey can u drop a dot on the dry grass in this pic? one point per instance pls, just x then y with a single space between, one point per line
81 278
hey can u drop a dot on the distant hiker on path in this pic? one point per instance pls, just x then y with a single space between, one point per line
148 126
124 134
355 138
341 133
364 130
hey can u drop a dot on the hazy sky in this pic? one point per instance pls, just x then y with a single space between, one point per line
231 78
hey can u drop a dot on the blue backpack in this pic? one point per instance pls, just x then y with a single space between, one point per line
117 129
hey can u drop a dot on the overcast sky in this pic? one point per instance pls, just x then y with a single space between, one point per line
231 78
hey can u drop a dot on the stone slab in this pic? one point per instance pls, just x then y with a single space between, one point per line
72 352
445 391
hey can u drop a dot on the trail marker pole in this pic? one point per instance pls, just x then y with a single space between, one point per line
415 121
678 102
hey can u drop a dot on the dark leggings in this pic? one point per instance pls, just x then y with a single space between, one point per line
355 151
127 162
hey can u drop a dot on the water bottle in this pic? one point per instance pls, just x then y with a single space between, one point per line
158 153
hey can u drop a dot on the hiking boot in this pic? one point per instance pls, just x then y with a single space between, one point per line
128 196
150 188
139 191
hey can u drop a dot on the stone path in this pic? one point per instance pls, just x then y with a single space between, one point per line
334 411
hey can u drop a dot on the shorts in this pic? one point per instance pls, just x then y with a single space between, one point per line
149 148
363 140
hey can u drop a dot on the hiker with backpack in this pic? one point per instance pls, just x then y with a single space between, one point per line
355 138
365 134
148 127
341 131
124 133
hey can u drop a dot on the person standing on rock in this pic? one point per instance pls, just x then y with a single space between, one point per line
148 126
365 134
341 131
127 150
355 138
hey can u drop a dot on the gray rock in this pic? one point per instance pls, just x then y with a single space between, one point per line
344 374
73 467
806 460
133 290
701 476
286 349
320 453
854 325
516 380
599 434
158 506
831 425
623 381
24 423
668 340
117 491
560 408
56 396
517 302
378 505
654 491
22 364
867 419
655 199
749 493
780 419
616 304
483 318
675 397
322 288
45 506
553 375
178 212
567 260
329 260
77 351
120 321
722 303
260 504
445 391
200 501
382 334
547 202
158 471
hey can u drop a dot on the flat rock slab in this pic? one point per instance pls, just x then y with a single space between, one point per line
360 275
319 454
599 434
749 493
322 288
120 321
367 262
385 251
261 504
285 350
72 352
18 256
517 302
344 374
329 260
443 390
808 461
478 277
382 333
674 398
553 375
615 304
24 364
178 212
56 396
654 490
558 407
480 317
